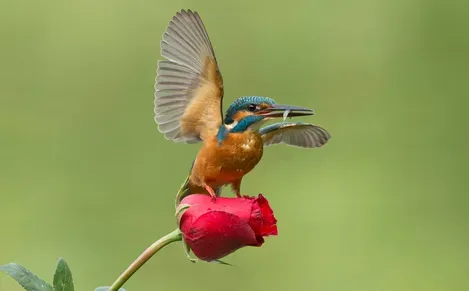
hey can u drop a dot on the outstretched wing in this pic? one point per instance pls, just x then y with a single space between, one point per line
189 86
295 134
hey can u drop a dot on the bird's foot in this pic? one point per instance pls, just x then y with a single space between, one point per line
211 192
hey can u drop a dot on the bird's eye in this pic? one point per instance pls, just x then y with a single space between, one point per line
252 107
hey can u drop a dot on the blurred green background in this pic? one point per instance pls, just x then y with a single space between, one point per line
85 175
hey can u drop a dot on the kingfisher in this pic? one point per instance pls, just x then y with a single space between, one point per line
188 108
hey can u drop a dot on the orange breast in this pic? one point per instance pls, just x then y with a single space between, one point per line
217 165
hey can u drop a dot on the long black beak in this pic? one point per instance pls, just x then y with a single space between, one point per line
278 110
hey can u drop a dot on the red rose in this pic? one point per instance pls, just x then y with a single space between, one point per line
214 229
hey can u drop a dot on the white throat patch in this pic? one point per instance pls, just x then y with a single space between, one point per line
231 125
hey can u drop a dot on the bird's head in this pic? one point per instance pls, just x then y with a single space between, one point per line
251 112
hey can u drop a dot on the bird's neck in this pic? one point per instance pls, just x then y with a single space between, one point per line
249 123
222 132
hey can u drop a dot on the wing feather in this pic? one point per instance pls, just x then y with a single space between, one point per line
295 134
188 85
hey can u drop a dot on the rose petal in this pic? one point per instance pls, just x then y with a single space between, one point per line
269 226
241 207
216 234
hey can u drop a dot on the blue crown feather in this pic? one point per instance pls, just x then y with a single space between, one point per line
242 102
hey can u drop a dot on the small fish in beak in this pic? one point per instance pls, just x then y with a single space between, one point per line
285 114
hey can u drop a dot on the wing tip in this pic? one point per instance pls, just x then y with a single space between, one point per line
316 136
185 12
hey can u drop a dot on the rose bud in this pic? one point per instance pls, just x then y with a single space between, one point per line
214 229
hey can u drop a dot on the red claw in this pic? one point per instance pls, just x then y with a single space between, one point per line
211 192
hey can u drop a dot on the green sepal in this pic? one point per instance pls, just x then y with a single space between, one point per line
183 190
187 250
222 263
180 211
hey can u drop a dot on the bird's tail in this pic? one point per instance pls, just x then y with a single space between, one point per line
185 189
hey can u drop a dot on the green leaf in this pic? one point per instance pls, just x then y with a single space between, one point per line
63 280
25 278
106 288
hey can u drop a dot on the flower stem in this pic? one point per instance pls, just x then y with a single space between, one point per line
144 257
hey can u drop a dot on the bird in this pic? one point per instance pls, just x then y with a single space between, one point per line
188 101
